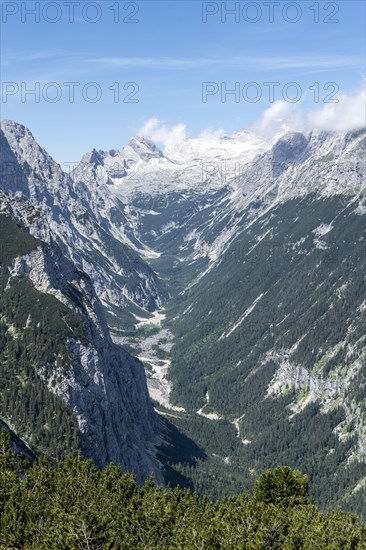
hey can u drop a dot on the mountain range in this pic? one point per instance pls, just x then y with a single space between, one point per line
226 271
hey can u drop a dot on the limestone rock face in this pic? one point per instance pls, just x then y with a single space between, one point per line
105 387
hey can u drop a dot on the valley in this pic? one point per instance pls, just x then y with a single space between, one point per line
234 271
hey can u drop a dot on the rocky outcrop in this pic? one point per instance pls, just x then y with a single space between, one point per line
100 383
86 221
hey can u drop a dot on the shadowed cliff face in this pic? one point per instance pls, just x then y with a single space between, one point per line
289 150
101 388
259 351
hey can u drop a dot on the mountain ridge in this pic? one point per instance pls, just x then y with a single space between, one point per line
253 339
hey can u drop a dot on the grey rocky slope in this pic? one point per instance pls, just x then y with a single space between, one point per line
263 252
190 200
102 386
88 224
261 339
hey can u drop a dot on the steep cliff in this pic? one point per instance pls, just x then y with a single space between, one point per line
64 384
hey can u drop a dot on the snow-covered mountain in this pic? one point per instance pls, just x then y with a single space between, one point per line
263 252
202 164
234 269
192 193
88 223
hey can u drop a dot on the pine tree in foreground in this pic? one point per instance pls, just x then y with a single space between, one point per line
74 506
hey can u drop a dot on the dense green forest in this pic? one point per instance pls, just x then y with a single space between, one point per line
28 341
75 506
309 324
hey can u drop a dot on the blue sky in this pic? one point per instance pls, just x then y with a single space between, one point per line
163 60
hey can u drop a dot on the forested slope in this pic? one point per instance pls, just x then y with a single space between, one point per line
75 506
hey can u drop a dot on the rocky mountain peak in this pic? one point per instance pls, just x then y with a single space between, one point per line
20 149
141 149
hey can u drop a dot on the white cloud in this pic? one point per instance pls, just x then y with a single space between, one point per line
244 62
157 131
348 114
282 116
279 118
211 133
